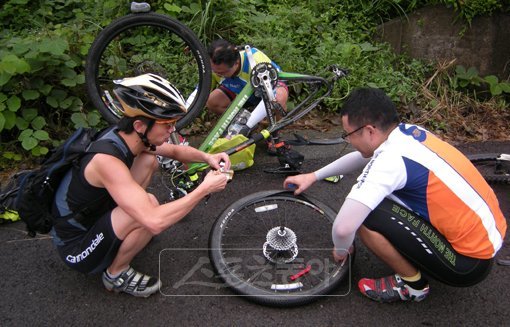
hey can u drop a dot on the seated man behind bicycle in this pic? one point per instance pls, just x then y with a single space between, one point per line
419 204
231 71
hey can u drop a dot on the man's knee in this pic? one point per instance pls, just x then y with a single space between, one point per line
282 95
365 234
146 162
217 102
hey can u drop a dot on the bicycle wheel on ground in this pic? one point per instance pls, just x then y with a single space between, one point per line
275 248
147 43
494 167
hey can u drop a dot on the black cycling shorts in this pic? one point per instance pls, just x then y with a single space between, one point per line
423 245
88 251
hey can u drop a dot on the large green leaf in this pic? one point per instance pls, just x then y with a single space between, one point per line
27 132
30 94
68 82
69 73
368 47
54 46
29 114
14 103
172 8
14 65
10 119
21 123
41 135
505 87
496 90
79 120
52 101
93 118
39 150
29 143
66 103
4 78
46 89
38 123
491 79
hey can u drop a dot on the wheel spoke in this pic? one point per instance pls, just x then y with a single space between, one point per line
258 249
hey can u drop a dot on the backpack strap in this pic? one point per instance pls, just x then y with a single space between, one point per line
106 146
113 148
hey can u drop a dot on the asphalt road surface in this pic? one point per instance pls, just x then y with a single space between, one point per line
38 289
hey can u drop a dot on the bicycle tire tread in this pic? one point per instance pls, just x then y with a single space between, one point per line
491 175
124 23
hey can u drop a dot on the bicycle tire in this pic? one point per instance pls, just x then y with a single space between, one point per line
166 43
312 228
492 166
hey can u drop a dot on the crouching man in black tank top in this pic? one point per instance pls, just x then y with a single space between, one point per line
104 216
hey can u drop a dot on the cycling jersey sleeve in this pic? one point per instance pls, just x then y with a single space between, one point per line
215 80
349 218
343 165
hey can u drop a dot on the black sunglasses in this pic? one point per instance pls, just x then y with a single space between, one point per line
346 135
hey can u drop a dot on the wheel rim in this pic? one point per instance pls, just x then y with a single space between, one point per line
308 268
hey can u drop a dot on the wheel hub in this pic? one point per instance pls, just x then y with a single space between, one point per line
280 245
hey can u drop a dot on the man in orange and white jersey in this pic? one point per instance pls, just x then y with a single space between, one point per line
419 204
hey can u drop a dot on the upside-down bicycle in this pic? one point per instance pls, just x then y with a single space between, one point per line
148 42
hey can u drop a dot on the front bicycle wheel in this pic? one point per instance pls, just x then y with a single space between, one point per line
275 248
494 167
148 43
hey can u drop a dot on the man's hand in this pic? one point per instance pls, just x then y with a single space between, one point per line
214 160
299 182
214 181
342 255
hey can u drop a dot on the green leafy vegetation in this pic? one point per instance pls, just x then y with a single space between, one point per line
43 46
466 79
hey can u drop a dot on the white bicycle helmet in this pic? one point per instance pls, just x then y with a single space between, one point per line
150 96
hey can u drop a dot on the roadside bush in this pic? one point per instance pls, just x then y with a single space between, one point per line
43 46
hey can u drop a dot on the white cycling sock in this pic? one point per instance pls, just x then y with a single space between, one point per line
257 115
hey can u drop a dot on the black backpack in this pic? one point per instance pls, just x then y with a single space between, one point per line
33 195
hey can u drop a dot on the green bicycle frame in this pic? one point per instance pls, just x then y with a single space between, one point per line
231 112
227 117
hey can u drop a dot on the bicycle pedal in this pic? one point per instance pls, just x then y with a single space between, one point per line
283 170
503 262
